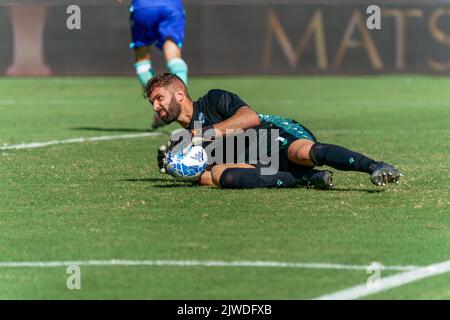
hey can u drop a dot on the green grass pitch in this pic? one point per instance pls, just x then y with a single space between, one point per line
105 200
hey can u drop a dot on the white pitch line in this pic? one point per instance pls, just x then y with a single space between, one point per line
390 282
7 102
33 145
196 263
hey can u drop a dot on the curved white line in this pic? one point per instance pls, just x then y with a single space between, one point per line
390 282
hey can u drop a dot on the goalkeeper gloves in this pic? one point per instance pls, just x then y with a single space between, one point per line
161 158
162 154
165 148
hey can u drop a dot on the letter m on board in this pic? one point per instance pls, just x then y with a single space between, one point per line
293 55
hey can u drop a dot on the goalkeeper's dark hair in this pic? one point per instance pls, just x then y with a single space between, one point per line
161 81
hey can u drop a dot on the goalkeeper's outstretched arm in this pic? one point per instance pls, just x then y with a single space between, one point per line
244 118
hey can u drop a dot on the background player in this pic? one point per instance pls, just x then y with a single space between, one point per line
223 110
160 22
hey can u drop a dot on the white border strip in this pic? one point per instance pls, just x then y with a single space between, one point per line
196 263
389 282
77 140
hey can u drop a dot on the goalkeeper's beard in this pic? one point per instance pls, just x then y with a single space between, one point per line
172 112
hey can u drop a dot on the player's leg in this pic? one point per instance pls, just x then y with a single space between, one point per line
217 170
143 36
145 72
288 132
246 176
175 64
143 64
171 31
307 152
206 178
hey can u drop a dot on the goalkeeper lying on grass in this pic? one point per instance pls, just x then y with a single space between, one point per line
298 154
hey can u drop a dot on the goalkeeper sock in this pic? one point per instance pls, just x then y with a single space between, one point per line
339 158
242 178
144 71
179 67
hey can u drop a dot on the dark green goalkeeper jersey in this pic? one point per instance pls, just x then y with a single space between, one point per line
219 105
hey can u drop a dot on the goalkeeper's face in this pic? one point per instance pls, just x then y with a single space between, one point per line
166 105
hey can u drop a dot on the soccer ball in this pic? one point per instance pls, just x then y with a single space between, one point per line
187 164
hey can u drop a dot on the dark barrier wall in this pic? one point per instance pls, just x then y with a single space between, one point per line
230 37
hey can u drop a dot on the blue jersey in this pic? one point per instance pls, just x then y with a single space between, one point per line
157 21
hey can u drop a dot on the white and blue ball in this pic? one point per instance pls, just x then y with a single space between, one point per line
187 164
